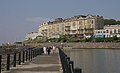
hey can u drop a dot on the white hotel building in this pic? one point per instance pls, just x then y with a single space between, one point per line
108 31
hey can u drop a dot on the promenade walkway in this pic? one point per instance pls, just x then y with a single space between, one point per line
40 64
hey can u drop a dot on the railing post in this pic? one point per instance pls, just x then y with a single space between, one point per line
77 70
0 62
37 51
26 55
19 58
71 64
23 56
33 53
14 64
8 62
68 67
65 63
29 54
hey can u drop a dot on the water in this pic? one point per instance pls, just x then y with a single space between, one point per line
96 60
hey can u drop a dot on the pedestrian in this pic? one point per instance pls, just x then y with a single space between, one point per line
45 50
54 49
49 50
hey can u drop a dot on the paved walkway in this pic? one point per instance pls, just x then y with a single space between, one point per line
40 64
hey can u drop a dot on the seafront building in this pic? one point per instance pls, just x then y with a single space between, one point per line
82 26
31 35
108 31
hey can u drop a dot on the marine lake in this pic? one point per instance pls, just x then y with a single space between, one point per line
95 60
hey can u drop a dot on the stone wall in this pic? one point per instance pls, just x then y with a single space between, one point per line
82 45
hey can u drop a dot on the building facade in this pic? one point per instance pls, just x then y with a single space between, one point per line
81 25
112 30
99 33
108 31
31 35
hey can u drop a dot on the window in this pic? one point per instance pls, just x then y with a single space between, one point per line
73 23
73 31
92 21
80 22
110 31
107 31
118 30
114 30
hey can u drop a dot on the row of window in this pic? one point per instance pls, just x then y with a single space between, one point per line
109 31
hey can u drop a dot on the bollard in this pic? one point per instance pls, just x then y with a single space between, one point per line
14 64
0 62
71 65
26 55
23 58
8 62
77 70
19 58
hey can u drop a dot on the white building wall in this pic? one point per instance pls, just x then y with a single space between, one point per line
110 31
31 35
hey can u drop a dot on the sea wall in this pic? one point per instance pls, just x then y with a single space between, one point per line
82 45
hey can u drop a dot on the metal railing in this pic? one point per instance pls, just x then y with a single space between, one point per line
67 64
16 58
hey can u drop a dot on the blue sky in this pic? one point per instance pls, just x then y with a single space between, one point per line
18 17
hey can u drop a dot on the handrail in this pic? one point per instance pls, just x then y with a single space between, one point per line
19 57
67 64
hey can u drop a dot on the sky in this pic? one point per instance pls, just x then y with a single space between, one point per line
19 17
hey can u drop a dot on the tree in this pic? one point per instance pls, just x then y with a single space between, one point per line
110 22
118 22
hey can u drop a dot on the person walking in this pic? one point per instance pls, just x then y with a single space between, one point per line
49 50
54 49
45 50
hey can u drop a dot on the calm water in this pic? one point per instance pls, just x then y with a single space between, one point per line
96 60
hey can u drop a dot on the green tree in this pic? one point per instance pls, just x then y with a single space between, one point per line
110 22
118 22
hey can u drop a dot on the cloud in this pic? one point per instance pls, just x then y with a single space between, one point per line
38 19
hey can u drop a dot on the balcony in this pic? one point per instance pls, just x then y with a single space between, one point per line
73 28
67 28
